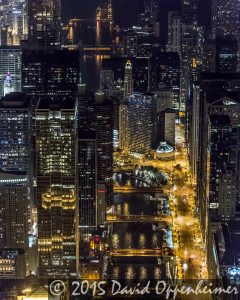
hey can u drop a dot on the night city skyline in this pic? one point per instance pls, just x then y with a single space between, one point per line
119 149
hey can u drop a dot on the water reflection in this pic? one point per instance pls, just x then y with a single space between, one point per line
135 268
130 273
142 241
139 204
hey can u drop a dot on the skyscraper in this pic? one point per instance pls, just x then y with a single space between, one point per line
10 69
165 73
130 43
174 32
137 123
216 134
128 80
89 210
140 71
44 23
226 54
15 174
225 17
56 187
104 129
51 72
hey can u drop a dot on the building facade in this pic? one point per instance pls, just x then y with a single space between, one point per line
55 140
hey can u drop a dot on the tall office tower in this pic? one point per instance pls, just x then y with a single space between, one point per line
130 43
15 172
128 80
85 109
150 15
187 55
226 54
107 82
194 132
14 210
140 71
91 211
225 17
189 10
15 125
174 32
167 127
44 23
140 123
10 69
123 126
209 55
50 72
222 197
165 72
216 132
104 129
12 22
12 267
56 197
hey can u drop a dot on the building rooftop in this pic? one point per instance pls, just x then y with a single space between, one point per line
55 102
15 100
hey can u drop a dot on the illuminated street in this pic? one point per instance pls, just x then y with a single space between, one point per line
188 246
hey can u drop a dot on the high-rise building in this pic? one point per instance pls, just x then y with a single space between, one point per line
15 172
128 80
226 54
174 32
189 11
140 71
56 195
130 43
107 82
137 123
225 17
167 127
104 119
215 148
87 184
187 50
15 135
50 72
165 73
10 69
149 18
14 210
44 23
12 266
13 22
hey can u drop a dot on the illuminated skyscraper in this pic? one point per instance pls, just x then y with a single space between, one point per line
10 69
104 129
130 43
226 54
165 72
225 17
174 32
140 123
87 185
128 80
215 140
44 23
15 173
50 72
56 187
